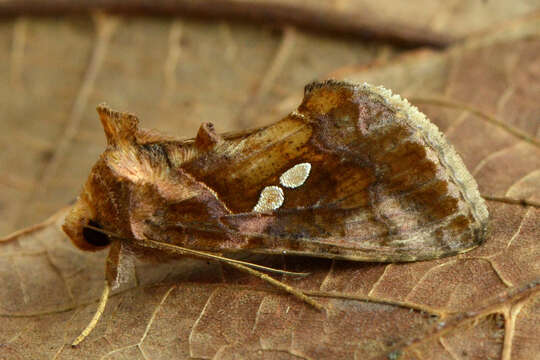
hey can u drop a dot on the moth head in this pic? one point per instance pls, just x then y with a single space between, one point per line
99 204
76 224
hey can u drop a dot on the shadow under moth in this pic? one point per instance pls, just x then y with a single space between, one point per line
355 173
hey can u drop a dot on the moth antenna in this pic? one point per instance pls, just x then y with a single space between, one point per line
206 255
97 315
287 288
200 254
240 265
118 126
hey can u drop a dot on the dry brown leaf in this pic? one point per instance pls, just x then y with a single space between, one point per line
483 304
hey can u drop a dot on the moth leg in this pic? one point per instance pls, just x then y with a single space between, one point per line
280 285
96 317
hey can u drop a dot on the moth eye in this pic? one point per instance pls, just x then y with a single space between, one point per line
271 198
94 237
295 176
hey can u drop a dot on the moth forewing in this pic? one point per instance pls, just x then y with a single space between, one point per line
354 173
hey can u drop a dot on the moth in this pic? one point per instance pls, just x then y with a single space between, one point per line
355 173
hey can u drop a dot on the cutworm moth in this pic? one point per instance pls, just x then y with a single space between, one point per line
355 173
